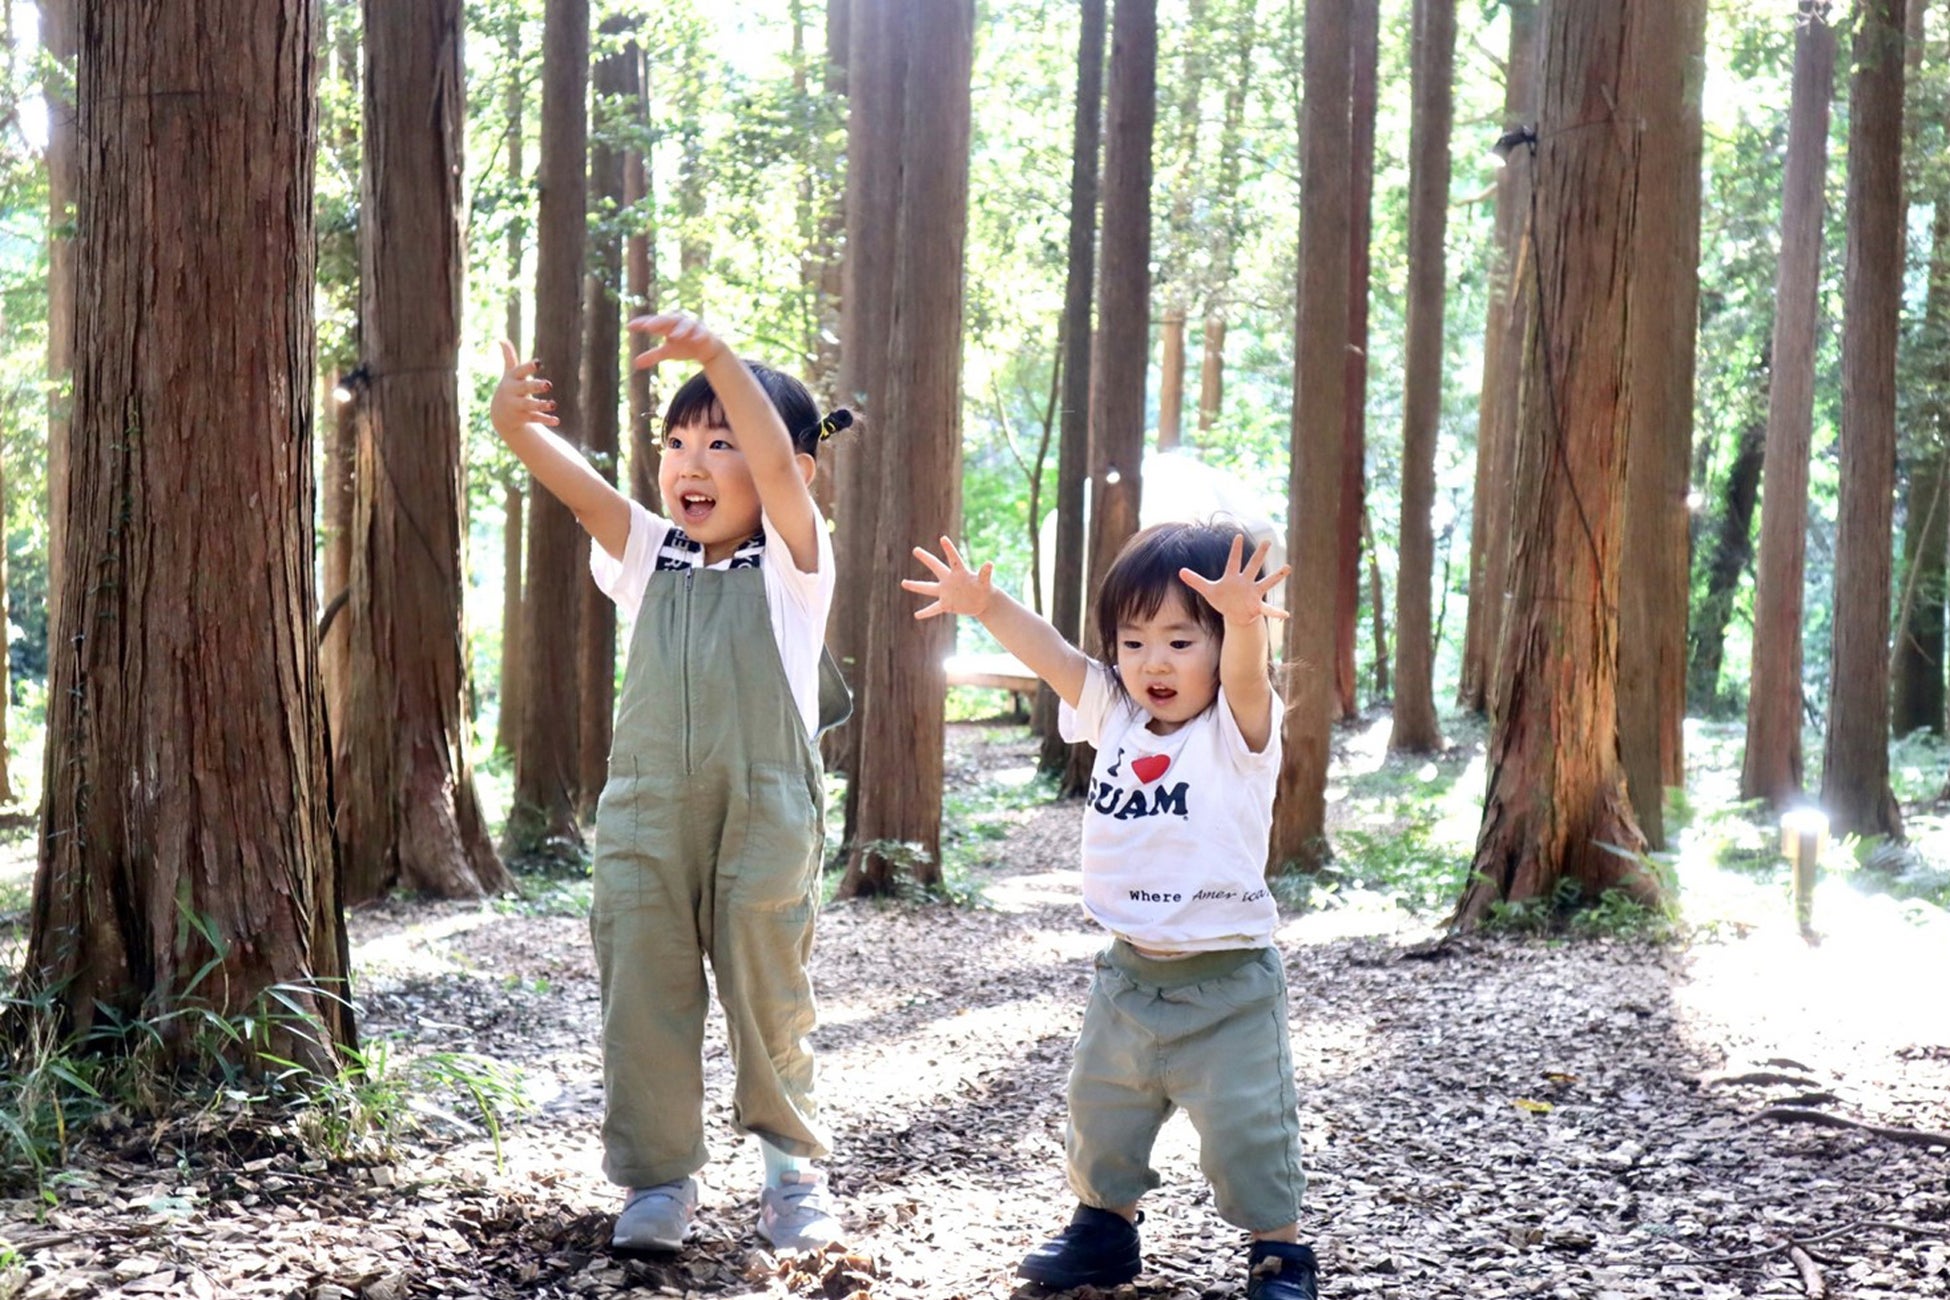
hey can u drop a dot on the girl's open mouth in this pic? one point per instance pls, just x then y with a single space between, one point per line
1161 694
696 507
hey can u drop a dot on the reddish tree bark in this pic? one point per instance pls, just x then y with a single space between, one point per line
185 829
1073 446
1655 586
896 788
1556 809
1414 728
407 813
1321 313
58 40
1855 759
546 758
1771 767
1503 342
1364 51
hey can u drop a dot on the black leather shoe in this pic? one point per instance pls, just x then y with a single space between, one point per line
1099 1248
1281 1271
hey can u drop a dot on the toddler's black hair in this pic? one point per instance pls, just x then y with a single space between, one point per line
696 403
1146 571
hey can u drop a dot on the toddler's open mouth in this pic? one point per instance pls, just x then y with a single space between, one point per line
1160 694
696 507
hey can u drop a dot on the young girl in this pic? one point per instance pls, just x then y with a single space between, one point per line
710 829
1188 1006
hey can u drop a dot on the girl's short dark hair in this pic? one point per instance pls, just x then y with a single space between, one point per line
1146 571
696 403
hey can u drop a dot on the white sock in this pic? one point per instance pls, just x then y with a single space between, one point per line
779 1163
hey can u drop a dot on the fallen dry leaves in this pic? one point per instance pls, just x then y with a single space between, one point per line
1482 1119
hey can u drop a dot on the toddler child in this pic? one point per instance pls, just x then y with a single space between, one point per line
1188 1005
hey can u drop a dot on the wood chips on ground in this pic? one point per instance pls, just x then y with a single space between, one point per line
1482 1118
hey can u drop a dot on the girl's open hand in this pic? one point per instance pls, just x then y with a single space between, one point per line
956 590
685 338
1239 597
520 398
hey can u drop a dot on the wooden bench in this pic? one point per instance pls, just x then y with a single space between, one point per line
1002 672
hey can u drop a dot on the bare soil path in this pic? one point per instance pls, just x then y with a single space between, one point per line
1483 1118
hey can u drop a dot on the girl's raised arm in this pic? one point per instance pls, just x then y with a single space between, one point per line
764 441
520 415
1241 601
1023 633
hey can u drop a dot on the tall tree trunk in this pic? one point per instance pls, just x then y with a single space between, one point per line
1771 768
1118 356
602 368
1073 450
513 534
1211 378
828 252
1212 373
1414 728
1917 666
546 760
1171 378
338 494
1655 586
1321 313
877 57
407 813
1557 809
1508 318
1733 547
641 255
1363 50
897 781
1855 761
58 40
186 855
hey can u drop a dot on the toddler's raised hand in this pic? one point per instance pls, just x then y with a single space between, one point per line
1238 596
518 397
956 589
685 338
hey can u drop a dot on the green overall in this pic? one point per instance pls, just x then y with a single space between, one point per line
708 843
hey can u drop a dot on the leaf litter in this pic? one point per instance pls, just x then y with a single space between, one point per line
1585 1120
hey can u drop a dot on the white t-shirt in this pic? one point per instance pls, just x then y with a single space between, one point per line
1175 827
797 602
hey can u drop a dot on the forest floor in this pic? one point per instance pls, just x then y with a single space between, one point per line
1740 1113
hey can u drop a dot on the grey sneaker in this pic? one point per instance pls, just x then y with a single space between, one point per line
656 1218
798 1214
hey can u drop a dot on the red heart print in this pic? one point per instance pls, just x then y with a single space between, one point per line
1150 767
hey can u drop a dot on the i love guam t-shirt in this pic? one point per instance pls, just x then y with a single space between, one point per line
1175 827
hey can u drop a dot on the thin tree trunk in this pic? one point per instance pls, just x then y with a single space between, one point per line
1733 547
338 495
1321 314
1772 766
1855 761
897 783
876 87
513 534
546 759
1917 669
1655 586
407 813
1171 378
1503 344
1073 449
58 39
1118 355
186 855
1557 810
1377 603
1212 374
602 369
1414 728
641 256
1363 49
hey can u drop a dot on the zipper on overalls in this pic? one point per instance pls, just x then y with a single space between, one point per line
689 574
